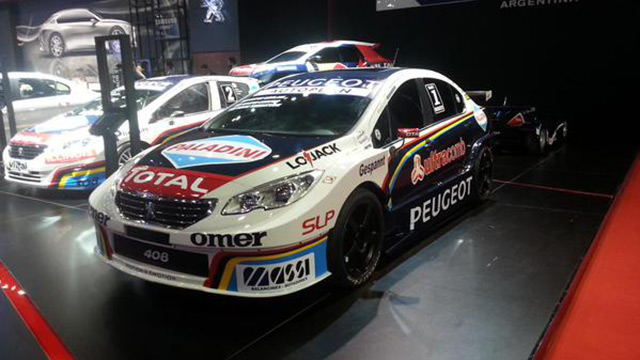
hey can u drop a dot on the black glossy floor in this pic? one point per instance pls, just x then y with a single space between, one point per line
481 287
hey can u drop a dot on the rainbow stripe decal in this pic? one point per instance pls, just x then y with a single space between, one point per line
83 178
419 144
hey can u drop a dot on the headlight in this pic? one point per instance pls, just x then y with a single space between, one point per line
274 194
124 170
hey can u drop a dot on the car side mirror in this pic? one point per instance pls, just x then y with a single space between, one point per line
178 113
315 59
408 133
93 21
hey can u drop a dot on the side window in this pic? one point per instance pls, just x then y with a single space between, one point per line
62 89
443 100
328 55
35 88
349 54
403 111
191 100
230 92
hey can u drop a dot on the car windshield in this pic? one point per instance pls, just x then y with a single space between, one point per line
286 56
292 114
94 107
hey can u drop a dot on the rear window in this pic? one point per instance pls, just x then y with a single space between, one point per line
286 56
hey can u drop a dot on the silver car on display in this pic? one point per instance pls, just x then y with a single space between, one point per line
72 30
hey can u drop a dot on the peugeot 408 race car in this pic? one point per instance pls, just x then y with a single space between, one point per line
298 182
61 153
329 55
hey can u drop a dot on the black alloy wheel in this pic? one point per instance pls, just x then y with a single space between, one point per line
356 240
483 176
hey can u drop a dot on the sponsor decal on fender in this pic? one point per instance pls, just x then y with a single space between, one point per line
233 149
276 277
308 157
369 168
228 240
436 160
440 203
317 223
73 156
100 217
171 183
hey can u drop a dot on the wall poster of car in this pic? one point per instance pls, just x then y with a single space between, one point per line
57 37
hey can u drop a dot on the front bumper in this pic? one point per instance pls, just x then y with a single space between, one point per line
260 272
73 176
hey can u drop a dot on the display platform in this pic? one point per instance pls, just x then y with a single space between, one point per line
483 286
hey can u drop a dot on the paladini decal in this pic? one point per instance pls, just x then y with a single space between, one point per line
216 151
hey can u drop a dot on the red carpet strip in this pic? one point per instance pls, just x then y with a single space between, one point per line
566 191
599 317
41 330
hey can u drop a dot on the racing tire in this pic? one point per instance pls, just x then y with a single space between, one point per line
483 176
356 240
124 152
537 143
564 132
56 45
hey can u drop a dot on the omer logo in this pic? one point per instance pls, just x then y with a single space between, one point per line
227 240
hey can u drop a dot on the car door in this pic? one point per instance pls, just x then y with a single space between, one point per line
37 100
187 109
404 110
451 148
76 28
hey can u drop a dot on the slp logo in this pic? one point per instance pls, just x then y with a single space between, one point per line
232 149
276 277
308 157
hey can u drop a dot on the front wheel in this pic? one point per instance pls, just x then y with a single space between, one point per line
356 240
537 143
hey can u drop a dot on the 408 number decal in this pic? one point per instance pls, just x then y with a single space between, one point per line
157 255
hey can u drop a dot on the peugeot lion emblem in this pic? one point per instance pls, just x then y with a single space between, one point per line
150 209
20 151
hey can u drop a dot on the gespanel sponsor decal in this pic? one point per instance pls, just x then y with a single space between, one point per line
436 160
440 203
171 183
276 276
228 240
328 86
308 157
369 168
233 149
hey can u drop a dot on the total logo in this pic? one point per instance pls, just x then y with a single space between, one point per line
276 277
308 157
171 183
233 149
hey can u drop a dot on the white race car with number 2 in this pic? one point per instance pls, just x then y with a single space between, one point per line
311 177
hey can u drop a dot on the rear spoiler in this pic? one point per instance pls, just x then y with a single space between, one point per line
480 96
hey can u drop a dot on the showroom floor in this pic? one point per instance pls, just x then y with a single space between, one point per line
482 287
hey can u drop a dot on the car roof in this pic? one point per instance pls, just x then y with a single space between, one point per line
35 75
333 43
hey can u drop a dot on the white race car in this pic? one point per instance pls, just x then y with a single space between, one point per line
60 153
329 55
298 182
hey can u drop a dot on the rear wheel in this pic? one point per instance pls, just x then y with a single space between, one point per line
356 240
537 143
56 45
483 175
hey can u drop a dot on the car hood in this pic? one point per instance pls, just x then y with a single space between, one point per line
212 160
115 22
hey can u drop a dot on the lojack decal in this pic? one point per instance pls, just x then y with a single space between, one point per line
308 157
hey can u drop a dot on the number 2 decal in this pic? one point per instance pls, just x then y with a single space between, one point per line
229 93
436 100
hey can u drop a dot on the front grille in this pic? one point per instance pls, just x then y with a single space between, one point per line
27 152
172 213
31 176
